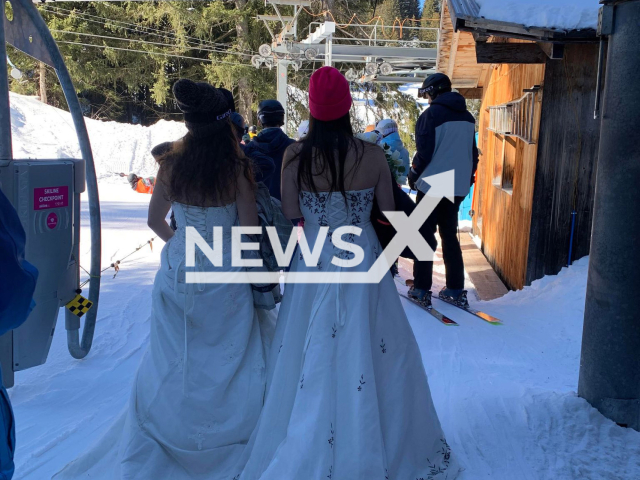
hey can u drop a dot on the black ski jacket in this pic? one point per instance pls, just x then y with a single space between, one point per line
271 142
263 167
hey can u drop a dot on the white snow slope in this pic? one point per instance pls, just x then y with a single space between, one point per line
505 394
116 147
561 14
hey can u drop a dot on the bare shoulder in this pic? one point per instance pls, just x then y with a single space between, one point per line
291 155
293 150
375 155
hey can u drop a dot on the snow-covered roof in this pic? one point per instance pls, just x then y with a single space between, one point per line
563 14
545 19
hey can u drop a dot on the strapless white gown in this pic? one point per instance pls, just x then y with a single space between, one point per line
347 393
200 387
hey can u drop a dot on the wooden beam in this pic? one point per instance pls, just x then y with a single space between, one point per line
485 75
452 54
465 83
471 93
509 53
480 37
555 51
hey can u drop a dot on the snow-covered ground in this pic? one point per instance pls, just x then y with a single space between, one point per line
505 394
561 14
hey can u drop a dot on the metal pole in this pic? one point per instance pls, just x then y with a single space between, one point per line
610 361
596 110
6 151
37 26
328 54
282 89
571 234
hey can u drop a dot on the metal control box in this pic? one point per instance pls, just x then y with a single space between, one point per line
46 195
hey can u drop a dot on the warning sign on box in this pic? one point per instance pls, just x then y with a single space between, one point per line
50 197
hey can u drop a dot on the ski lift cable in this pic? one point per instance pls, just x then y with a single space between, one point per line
161 33
138 27
135 40
173 55
116 265
147 52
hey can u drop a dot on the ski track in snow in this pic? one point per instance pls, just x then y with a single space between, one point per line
506 395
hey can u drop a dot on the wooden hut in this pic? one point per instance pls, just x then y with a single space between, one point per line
537 136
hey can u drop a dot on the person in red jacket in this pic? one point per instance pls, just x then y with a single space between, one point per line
141 184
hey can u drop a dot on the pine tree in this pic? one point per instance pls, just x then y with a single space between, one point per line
408 9
124 57
390 12
430 18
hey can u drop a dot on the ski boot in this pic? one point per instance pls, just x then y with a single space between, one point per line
423 297
457 297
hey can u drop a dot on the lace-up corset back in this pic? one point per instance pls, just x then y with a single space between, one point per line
330 208
203 219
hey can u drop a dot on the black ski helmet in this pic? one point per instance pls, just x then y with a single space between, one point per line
434 85
271 113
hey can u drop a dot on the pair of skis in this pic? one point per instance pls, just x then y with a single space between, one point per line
446 320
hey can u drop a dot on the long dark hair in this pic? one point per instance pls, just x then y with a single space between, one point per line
318 153
201 170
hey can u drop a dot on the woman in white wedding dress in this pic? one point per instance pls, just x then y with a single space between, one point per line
347 393
200 387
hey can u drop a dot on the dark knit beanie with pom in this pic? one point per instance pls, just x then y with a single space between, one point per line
206 108
161 150
229 96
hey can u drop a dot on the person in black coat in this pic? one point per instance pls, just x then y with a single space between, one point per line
271 141
263 166
445 140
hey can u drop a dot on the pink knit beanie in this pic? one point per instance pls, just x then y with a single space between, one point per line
329 94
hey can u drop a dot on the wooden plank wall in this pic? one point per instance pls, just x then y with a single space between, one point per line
465 71
503 218
567 155
457 54
445 39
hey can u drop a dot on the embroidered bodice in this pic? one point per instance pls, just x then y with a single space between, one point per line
333 210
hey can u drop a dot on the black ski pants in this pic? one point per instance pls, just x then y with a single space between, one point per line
445 220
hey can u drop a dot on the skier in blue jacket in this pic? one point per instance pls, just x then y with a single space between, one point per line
388 130
17 283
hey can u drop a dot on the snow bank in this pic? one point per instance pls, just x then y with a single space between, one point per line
41 131
561 14
506 395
